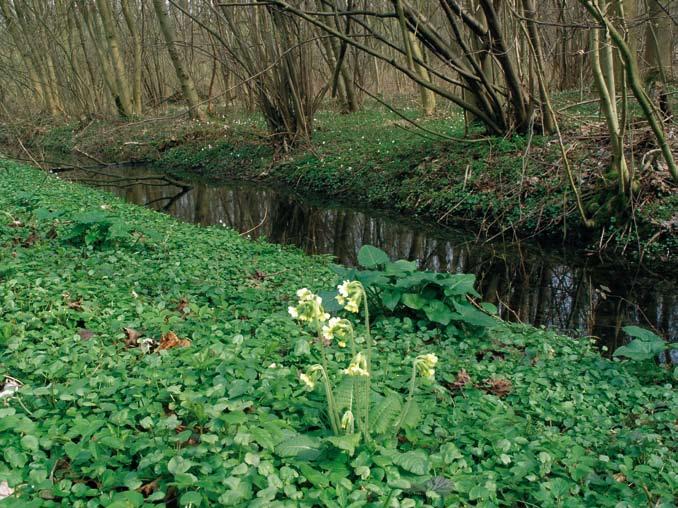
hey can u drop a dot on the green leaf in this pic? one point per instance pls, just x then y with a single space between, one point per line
127 499
412 417
390 298
461 284
263 437
91 217
438 312
344 396
330 302
385 413
400 267
178 465
642 334
313 476
415 461
371 257
639 349
414 301
30 443
472 316
191 498
347 442
371 278
299 446
118 230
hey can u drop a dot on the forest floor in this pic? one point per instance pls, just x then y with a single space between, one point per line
89 286
513 188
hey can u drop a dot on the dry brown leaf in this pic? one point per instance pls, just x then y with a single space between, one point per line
498 386
85 334
462 379
170 340
31 240
182 306
74 304
148 488
132 337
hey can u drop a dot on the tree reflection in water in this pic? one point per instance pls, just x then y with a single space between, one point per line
555 288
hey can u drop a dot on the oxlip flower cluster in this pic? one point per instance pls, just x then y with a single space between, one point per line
309 379
337 328
350 295
358 366
310 308
426 365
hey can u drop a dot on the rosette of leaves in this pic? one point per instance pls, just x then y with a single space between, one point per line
435 299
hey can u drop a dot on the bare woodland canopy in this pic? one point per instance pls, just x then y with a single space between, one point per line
499 61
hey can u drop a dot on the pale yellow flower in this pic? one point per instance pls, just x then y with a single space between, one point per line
309 308
337 328
347 420
350 295
310 383
425 364
358 366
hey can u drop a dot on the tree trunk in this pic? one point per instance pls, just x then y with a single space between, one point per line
106 14
428 98
658 54
26 56
601 73
187 85
530 13
90 22
131 23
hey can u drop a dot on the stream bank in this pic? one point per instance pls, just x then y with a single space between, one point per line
507 189
557 287
518 415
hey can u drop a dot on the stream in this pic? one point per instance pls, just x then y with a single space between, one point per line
556 287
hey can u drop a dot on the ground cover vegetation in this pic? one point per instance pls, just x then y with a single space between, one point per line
121 77
469 184
146 361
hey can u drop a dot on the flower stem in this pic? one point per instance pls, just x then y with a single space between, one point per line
329 395
331 405
369 366
410 397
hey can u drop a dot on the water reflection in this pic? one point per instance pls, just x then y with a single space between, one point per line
555 289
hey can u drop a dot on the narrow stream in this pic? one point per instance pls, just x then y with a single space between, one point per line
557 288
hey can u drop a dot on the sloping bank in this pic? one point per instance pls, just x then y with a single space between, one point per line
496 187
540 420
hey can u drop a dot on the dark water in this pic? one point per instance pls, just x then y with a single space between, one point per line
556 288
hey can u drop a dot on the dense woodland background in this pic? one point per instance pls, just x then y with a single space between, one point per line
500 62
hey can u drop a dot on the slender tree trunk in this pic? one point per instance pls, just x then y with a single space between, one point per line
107 72
633 77
131 23
658 54
26 56
428 98
530 13
187 85
605 84
106 14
